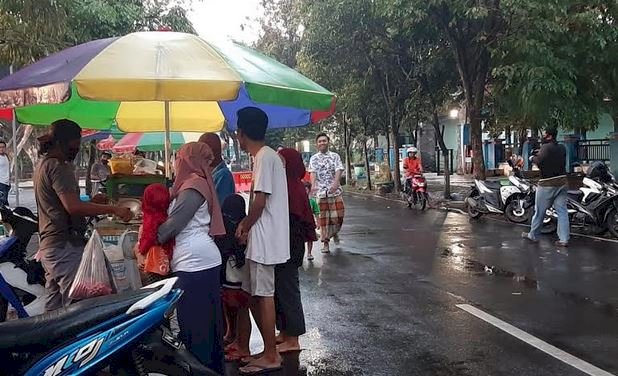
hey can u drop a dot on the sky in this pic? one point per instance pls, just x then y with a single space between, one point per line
223 19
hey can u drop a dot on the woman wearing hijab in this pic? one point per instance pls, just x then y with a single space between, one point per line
289 307
194 219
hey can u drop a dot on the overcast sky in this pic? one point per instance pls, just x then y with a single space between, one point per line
223 19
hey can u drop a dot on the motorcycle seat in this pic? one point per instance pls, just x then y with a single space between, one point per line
575 194
493 185
43 332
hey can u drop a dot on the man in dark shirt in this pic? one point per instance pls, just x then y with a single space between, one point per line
62 222
552 189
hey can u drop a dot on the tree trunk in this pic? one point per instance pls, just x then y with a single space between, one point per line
397 175
389 177
368 172
347 145
445 155
236 147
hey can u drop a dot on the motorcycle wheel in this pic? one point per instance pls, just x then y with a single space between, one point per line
517 214
418 200
550 225
612 223
472 212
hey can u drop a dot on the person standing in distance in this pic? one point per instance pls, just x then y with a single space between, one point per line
221 174
266 233
326 168
552 189
5 175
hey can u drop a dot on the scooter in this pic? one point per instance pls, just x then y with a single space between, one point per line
121 334
416 192
22 281
492 197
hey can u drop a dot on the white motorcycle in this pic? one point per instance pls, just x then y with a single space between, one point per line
22 281
488 197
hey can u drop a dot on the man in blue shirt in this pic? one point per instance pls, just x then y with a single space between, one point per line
222 176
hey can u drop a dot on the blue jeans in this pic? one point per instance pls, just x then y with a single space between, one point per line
545 198
4 194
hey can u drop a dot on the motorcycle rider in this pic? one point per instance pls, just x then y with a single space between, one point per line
552 189
412 166
62 222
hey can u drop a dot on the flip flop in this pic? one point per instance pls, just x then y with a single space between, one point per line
233 356
258 370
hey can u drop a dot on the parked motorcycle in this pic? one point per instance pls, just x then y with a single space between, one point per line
592 208
492 197
416 192
125 334
22 281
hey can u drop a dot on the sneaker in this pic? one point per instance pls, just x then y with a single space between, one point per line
310 258
336 239
325 247
526 235
561 244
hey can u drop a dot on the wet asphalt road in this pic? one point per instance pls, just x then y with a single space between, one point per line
384 302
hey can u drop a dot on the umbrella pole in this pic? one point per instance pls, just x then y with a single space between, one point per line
167 141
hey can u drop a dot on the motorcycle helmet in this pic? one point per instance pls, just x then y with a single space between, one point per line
598 171
412 149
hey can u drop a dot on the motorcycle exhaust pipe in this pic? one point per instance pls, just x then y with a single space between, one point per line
471 202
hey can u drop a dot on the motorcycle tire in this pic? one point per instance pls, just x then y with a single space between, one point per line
419 202
612 223
472 212
550 225
517 215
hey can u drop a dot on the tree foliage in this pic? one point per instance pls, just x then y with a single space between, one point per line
32 29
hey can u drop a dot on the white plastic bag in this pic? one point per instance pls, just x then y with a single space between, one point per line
118 268
92 278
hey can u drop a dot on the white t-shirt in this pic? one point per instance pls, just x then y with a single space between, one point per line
269 238
194 249
5 168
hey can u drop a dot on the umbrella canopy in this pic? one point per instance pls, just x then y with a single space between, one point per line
129 79
98 135
153 141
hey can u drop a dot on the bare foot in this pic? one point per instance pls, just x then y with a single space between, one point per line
288 346
280 338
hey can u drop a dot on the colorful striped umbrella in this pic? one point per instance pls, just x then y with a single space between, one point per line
153 141
134 79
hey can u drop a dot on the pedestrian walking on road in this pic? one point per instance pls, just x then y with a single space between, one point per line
326 168
290 315
315 210
5 175
266 233
552 188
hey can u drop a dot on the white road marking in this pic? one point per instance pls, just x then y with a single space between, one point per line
535 342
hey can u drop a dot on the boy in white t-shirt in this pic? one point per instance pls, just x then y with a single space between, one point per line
266 232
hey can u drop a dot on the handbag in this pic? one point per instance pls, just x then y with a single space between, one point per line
157 261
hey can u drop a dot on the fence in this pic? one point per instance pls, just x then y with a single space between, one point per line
440 163
593 150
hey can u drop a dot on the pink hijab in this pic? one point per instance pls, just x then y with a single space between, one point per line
193 171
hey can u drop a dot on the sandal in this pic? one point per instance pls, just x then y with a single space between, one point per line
258 370
234 356
310 258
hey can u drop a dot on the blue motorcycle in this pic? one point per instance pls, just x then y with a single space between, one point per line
124 334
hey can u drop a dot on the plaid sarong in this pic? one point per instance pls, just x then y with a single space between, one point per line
331 216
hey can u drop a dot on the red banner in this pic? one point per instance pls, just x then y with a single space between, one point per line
242 180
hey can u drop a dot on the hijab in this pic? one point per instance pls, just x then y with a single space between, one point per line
193 171
155 202
297 195
213 140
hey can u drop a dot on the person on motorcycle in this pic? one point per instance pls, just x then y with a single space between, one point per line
412 166
62 215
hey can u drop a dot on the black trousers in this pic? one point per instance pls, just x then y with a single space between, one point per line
288 304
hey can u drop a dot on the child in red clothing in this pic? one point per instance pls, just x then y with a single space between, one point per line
155 203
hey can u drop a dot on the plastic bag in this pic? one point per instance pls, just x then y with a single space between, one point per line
133 274
115 256
157 261
92 278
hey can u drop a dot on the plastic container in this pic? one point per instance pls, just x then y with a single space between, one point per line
122 166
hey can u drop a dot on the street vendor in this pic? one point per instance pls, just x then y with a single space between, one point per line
62 215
